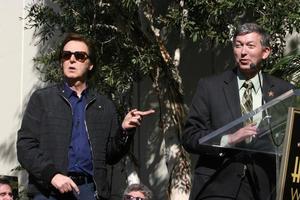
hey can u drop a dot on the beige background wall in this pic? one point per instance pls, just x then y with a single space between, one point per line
16 79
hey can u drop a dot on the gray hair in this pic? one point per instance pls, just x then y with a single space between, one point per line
253 28
140 188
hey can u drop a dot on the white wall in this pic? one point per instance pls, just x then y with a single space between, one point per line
17 77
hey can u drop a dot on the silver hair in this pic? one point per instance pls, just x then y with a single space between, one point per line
253 28
141 188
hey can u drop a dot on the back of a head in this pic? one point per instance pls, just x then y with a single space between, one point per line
253 28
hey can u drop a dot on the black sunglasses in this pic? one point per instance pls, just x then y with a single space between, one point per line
129 197
80 56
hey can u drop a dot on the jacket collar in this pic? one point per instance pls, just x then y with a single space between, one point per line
231 91
91 93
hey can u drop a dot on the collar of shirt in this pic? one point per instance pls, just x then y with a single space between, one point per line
255 80
69 92
256 94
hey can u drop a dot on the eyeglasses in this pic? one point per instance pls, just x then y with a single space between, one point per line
129 197
80 56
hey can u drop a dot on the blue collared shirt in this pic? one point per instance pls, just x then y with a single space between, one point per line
80 156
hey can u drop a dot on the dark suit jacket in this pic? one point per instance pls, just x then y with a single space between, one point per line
215 104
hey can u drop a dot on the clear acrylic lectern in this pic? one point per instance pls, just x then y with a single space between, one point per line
271 120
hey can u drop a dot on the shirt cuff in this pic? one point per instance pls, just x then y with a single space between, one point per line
224 141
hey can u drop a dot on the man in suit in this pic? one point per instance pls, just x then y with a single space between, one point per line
222 173
70 132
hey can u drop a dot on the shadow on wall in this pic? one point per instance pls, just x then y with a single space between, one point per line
8 147
7 150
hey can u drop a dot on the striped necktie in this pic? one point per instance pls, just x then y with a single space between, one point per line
247 100
247 104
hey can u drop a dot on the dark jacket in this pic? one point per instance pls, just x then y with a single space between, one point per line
215 104
45 134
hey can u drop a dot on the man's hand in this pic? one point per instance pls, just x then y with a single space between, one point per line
242 134
134 118
64 184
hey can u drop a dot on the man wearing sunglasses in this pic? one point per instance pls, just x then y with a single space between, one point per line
69 132
137 191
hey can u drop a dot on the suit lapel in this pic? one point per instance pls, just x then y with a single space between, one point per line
268 88
231 93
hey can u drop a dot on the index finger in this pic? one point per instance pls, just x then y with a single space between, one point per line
74 187
144 113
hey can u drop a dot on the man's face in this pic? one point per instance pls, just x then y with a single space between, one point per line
248 49
5 192
75 61
134 195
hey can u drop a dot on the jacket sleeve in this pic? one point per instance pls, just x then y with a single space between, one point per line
199 123
29 153
119 141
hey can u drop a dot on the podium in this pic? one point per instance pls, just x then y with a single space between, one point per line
276 145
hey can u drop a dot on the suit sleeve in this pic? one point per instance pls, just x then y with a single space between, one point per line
198 123
29 154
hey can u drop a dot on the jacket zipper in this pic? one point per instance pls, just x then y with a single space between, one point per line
72 118
91 148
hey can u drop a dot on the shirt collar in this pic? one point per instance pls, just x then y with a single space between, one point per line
255 80
69 92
